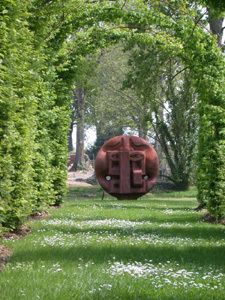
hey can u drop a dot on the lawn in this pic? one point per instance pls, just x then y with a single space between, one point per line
156 247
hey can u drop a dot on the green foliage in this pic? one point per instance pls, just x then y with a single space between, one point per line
33 118
166 88
217 5
38 65
199 53
112 109
17 109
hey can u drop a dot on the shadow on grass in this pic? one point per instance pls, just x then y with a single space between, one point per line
148 206
170 195
84 192
168 218
215 232
194 255
96 192
200 256
187 217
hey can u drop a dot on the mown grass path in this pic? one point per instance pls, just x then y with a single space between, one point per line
157 247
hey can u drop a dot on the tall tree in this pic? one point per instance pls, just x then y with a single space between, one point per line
165 85
83 86
115 110
79 95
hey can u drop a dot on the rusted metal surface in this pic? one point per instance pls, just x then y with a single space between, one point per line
127 167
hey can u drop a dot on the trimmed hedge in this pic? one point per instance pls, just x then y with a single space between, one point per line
34 118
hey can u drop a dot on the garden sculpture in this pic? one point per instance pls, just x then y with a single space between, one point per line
127 167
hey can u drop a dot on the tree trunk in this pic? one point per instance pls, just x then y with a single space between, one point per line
70 138
79 156
216 27
142 132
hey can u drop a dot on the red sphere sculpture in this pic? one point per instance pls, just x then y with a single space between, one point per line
127 167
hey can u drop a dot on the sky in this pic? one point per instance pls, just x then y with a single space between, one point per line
90 137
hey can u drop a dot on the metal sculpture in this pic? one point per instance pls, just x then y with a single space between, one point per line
127 167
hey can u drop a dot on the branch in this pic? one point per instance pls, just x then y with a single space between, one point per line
96 33
186 13
196 23
124 3
57 25
64 16
179 73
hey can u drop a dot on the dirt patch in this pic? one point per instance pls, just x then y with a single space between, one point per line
17 234
75 179
200 207
80 175
54 207
5 253
77 184
208 218
79 178
38 216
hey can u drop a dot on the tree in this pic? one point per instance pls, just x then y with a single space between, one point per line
39 62
114 110
79 95
83 85
177 28
165 85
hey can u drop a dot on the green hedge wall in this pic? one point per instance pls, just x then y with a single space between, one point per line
34 118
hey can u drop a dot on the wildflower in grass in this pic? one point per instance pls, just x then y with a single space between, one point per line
95 223
101 287
56 271
163 276
55 268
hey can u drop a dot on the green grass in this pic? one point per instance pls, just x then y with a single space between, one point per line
156 247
